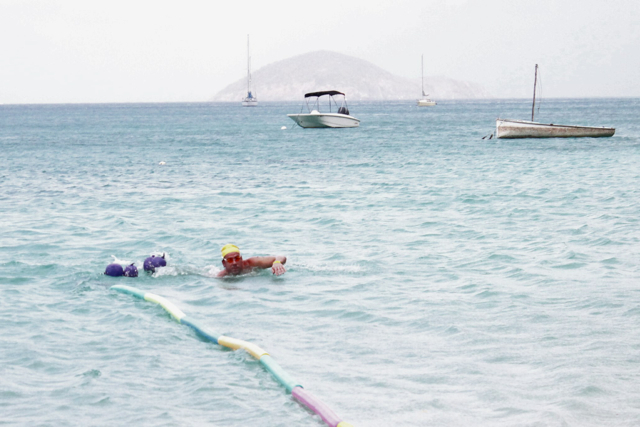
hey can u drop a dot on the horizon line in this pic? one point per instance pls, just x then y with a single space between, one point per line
298 101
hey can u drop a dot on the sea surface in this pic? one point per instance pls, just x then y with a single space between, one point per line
434 278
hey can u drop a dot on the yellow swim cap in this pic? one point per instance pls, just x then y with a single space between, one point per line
227 249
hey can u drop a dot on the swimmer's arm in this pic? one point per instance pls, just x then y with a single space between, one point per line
269 262
222 273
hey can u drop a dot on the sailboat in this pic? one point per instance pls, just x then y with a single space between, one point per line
250 100
425 101
506 128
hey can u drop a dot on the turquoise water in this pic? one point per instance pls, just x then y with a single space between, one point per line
434 278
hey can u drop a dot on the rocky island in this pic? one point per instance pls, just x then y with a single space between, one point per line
289 79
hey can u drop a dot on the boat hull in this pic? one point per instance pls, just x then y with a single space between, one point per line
250 103
324 120
525 129
426 103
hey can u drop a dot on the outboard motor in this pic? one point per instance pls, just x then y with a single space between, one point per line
343 110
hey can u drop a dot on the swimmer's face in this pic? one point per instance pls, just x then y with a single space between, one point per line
232 262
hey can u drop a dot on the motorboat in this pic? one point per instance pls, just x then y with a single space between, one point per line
506 128
425 101
316 119
250 100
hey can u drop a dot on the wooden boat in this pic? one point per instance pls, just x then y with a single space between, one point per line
506 128
525 129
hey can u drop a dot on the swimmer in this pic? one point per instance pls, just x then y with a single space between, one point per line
234 265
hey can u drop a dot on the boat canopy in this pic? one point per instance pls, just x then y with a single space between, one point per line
324 92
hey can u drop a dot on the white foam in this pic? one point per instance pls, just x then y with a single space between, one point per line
331 267
117 260
212 271
165 271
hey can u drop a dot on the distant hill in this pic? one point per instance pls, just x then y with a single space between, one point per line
289 79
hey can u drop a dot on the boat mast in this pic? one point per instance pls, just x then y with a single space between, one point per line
535 81
422 57
248 69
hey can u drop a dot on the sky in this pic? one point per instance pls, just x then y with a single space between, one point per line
92 51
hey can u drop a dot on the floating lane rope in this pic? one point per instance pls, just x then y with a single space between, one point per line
292 386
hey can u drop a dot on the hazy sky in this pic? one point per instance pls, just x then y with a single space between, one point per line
56 51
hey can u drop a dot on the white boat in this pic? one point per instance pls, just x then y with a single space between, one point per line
525 129
425 101
250 100
315 119
506 128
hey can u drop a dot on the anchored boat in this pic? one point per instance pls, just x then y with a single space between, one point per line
506 128
425 101
250 100
316 119
526 129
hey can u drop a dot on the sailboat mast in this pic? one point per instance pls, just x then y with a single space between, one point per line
248 67
535 82
422 61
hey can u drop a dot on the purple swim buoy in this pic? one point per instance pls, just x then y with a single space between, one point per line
153 262
114 270
159 262
148 264
131 271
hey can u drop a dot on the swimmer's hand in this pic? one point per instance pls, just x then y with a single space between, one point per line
277 268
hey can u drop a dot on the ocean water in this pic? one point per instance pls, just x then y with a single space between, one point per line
434 277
